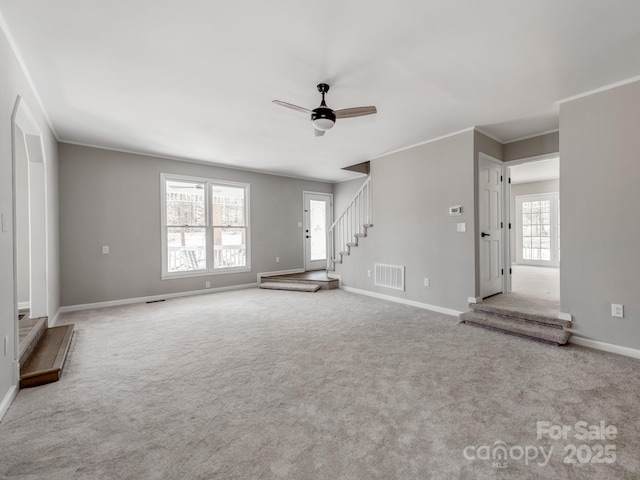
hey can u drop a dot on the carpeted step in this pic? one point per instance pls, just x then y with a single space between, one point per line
30 341
45 364
518 327
294 287
521 313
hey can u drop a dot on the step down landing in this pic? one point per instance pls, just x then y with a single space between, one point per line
45 364
294 287
313 277
533 325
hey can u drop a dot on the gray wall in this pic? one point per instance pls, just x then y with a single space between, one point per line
412 192
530 188
600 196
14 84
531 147
344 192
112 198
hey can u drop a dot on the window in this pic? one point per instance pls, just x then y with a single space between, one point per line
538 229
204 226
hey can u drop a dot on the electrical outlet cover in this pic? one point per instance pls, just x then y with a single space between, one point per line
617 310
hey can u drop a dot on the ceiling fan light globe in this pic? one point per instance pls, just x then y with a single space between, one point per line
323 124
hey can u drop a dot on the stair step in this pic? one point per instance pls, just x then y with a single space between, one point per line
29 342
360 235
294 287
313 278
344 253
336 260
47 360
352 244
523 314
517 327
368 225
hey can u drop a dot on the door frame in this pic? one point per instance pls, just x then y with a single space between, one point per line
25 129
304 219
507 209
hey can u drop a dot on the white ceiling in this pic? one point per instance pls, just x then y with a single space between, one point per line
194 79
535 171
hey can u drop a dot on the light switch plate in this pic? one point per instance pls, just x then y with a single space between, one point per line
462 227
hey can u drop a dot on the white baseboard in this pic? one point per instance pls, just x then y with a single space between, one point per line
565 316
153 298
606 347
280 272
54 320
337 276
426 306
24 305
474 299
7 400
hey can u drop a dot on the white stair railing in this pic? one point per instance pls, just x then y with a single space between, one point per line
350 225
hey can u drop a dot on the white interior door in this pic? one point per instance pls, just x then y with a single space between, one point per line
317 219
490 231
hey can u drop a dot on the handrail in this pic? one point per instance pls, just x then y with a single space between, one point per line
355 219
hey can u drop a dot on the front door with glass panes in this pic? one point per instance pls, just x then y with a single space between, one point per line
538 230
317 219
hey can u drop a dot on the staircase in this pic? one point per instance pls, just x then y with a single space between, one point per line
538 326
43 352
351 226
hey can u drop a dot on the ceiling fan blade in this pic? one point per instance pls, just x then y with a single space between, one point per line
355 112
292 106
318 133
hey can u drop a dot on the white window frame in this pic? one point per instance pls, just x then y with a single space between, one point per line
554 198
209 227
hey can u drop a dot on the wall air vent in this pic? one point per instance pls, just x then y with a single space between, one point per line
390 276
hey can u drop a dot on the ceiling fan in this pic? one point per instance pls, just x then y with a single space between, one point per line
324 118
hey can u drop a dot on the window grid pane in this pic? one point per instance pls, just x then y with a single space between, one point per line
186 249
229 247
185 204
228 206
536 230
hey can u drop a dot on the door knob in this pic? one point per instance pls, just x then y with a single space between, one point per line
485 234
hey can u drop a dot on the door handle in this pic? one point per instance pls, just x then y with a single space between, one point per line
485 234
308 236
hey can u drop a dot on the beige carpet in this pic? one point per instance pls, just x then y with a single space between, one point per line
533 289
260 384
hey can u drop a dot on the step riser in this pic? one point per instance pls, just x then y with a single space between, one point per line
515 334
290 286
521 315
330 285
517 326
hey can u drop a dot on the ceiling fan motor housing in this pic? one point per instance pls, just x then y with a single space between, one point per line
323 118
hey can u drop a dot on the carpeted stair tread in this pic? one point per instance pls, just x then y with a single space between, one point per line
30 341
45 364
290 286
523 314
517 327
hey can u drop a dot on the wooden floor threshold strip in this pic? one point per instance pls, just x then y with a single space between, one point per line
47 360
